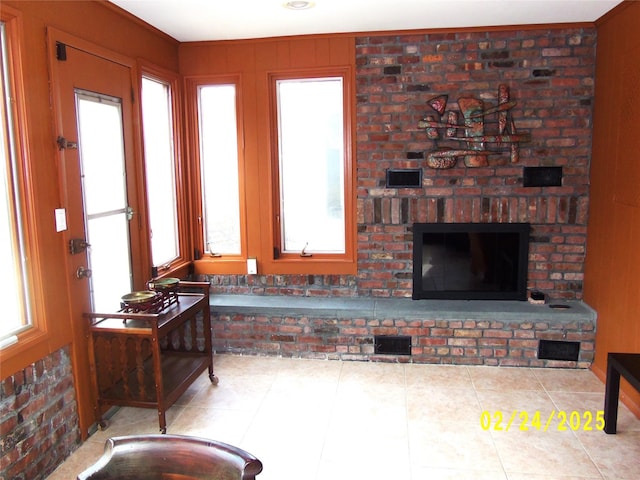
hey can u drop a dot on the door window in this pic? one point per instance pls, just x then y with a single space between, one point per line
107 213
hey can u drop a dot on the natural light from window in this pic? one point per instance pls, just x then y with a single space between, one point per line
15 314
311 162
219 169
157 120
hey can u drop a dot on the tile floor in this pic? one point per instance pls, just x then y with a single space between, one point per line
331 420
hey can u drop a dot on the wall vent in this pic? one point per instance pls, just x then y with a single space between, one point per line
542 177
404 178
558 350
392 345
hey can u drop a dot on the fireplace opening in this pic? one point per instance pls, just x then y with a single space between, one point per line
470 261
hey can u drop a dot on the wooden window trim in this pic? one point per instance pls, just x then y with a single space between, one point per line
180 266
203 263
288 263
35 341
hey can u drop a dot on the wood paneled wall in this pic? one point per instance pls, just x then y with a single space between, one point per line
612 270
252 61
102 24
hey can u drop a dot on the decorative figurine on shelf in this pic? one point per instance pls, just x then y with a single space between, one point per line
474 138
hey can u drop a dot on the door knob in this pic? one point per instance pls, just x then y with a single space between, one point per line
82 272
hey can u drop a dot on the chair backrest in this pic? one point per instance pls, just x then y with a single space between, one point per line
172 457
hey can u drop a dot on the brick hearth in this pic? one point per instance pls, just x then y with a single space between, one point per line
456 332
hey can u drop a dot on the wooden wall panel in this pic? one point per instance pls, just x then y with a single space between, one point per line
254 60
612 269
96 22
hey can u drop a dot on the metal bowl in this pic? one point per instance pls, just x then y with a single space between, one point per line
164 283
138 297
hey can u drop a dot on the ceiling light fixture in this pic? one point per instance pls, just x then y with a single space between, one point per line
299 5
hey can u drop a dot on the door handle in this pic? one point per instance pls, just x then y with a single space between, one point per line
77 245
82 272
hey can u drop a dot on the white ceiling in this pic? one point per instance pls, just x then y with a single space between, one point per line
201 20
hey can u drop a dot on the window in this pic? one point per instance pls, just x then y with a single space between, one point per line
311 161
14 280
160 169
275 172
311 147
219 164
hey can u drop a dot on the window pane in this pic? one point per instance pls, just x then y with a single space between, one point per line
12 256
311 150
160 170
219 166
103 173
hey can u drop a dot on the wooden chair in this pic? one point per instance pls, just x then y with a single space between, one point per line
172 457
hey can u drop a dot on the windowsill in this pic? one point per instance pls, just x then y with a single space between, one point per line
405 308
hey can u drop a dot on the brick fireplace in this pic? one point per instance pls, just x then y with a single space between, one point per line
550 74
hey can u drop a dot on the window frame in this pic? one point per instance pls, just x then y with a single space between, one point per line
317 263
205 263
179 266
35 335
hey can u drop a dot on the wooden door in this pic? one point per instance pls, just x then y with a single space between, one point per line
93 98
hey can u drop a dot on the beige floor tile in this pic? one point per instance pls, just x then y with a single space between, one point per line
373 373
503 378
617 456
446 445
228 426
525 476
135 421
358 394
568 380
443 405
331 420
528 405
242 392
456 474
588 405
235 365
446 376
543 453
311 370
85 456
358 467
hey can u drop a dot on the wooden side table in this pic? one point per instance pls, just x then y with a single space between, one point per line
627 365
149 359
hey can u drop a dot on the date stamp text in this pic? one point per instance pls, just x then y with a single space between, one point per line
555 420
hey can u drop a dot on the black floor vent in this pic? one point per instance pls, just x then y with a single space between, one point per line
392 345
558 350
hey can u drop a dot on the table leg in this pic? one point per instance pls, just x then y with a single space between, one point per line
611 396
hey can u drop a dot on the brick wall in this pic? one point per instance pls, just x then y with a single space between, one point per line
38 418
550 74
483 341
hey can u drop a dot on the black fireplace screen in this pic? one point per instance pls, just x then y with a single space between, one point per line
470 261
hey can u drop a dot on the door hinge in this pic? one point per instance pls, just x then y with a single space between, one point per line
61 51
64 143
276 252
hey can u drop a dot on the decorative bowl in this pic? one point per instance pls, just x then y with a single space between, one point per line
168 283
142 296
